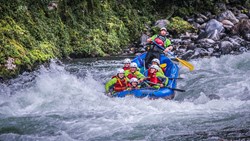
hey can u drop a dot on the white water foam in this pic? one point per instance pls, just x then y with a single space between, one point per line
81 111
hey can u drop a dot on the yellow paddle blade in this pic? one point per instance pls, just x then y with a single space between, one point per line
185 63
163 65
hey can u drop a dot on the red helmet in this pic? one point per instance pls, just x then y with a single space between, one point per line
159 41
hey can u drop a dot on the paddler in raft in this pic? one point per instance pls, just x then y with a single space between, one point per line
155 52
126 63
118 83
133 72
156 79
134 84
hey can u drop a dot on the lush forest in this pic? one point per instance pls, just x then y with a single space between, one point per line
34 31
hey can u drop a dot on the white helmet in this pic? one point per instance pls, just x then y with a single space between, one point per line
156 60
120 71
133 80
127 61
155 67
133 65
163 28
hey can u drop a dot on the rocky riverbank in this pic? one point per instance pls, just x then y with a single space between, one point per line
208 34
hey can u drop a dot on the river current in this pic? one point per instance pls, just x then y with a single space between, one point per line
65 102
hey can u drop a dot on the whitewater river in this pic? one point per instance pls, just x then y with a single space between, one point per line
66 103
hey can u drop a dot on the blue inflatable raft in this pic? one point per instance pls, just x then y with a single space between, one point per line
172 71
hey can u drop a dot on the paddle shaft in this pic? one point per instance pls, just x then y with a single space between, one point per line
175 89
183 62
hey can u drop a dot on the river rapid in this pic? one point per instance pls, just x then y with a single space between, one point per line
65 102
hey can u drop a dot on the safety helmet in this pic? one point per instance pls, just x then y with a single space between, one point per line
120 71
156 60
133 80
163 28
133 65
127 61
154 67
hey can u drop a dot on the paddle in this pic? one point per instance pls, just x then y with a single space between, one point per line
183 62
175 89
175 78
172 77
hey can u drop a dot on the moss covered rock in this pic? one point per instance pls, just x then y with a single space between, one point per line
178 25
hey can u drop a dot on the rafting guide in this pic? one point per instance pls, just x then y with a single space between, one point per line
154 51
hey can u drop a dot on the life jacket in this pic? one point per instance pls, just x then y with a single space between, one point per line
126 68
160 40
153 78
121 84
131 75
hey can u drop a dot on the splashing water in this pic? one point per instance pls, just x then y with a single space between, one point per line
66 102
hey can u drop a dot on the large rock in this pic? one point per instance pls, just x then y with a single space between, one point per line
187 55
199 52
236 45
212 30
143 39
227 24
228 15
226 47
200 20
242 29
206 43
162 23
242 16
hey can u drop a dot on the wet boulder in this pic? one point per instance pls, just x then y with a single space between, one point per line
228 15
187 55
161 23
210 51
247 36
176 41
226 47
206 43
181 49
242 16
227 24
200 20
242 49
212 30
214 25
242 29
192 46
199 52
143 40
216 54
213 96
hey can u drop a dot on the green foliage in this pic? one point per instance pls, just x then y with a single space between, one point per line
179 25
32 34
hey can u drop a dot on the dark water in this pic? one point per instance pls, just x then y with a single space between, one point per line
66 103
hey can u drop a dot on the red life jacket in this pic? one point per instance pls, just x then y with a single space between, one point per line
159 41
152 78
126 68
131 75
120 85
